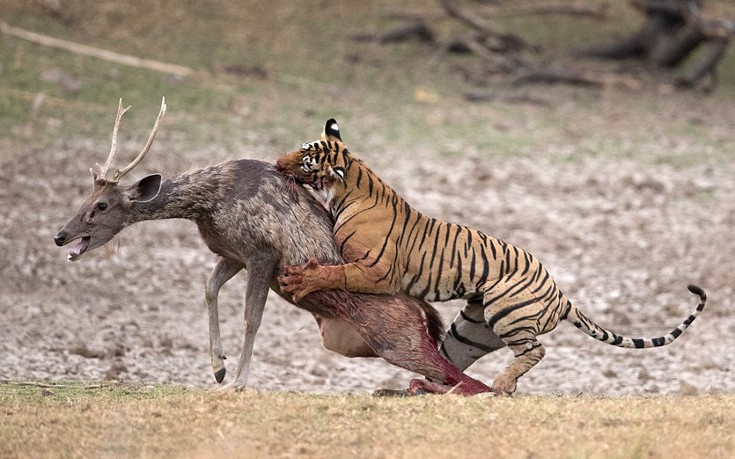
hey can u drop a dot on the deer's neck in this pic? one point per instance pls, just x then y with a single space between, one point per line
192 196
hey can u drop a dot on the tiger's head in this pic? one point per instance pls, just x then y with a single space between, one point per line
321 164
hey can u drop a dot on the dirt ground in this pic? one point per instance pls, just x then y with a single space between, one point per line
623 236
627 195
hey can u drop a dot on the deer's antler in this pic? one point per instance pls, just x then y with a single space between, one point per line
100 172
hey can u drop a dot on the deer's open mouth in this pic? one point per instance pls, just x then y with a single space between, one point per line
79 248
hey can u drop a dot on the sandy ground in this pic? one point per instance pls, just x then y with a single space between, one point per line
623 236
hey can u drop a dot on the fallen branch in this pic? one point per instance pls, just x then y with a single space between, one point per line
637 45
34 96
595 12
667 7
501 62
54 386
718 28
705 63
486 96
556 76
417 28
507 41
673 51
76 48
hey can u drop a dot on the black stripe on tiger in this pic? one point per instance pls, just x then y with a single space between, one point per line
455 334
602 334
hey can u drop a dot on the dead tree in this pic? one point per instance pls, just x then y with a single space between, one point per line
416 29
671 32
248 217
503 53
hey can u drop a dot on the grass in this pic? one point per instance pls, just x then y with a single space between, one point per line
311 70
301 88
112 420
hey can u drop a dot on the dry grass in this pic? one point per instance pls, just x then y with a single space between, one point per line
166 421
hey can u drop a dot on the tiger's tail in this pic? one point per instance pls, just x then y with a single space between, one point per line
592 329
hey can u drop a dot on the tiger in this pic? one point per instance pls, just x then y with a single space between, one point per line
389 246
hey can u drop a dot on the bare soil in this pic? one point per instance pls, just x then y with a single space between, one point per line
626 193
622 233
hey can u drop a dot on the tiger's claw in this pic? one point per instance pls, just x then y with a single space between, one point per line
299 281
290 270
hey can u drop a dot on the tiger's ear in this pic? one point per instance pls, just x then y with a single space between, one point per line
331 131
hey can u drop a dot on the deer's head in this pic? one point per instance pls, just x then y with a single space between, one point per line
108 209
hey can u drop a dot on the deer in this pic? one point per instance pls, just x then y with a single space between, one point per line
251 225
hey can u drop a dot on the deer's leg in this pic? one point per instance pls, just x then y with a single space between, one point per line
469 337
260 272
223 271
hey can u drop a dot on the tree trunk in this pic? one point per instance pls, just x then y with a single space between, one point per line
706 62
674 51
671 32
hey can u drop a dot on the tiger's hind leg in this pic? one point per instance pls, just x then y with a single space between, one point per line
469 337
528 352
515 316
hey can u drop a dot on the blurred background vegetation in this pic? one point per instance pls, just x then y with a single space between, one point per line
270 72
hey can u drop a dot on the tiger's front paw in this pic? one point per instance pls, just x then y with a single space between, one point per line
299 281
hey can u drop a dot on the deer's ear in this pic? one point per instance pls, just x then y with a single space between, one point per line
331 131
146 189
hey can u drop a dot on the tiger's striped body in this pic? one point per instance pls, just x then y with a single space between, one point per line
391 247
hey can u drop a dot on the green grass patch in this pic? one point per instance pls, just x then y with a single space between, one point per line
298 66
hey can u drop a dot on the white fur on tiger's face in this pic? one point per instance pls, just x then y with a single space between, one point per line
321 164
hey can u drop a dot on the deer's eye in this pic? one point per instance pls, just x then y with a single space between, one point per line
101 206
